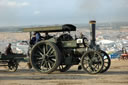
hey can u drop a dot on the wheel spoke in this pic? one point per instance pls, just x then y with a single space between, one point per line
49 65
91 69
49 51
44 65
44 49
53 60
105 62
106 59
40 58
52 56
97 66
40 49
42 62
87 66
42 55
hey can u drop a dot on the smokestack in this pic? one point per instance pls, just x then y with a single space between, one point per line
92 32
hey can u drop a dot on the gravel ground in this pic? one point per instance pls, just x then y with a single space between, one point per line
116 75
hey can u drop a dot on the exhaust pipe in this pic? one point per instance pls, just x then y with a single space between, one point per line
93 33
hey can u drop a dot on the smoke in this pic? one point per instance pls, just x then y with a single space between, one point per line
104 9
90 5
95 5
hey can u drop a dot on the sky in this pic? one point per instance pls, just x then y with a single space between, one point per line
49 12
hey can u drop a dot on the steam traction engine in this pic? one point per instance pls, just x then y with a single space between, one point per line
60 53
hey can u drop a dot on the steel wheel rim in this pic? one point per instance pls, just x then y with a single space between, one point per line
107 61
92 62
44 57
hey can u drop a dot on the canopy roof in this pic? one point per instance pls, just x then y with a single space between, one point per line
66 27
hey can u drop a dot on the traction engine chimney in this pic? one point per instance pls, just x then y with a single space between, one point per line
92 33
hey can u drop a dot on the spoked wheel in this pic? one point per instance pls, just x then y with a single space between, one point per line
107 61
45 57
92 62
64 68
12 65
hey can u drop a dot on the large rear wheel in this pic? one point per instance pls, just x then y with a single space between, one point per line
45 57
92 62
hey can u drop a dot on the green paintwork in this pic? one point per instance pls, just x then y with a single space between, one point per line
43 29
66 27
69 44
12 56
52 40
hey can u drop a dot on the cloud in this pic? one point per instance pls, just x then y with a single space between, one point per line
24 4
36 12
11 3
16 4
7 3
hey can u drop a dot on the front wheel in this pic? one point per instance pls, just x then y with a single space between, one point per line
92 62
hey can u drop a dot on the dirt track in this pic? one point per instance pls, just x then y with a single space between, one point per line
117 75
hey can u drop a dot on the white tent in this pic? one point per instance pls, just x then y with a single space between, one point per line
105 42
